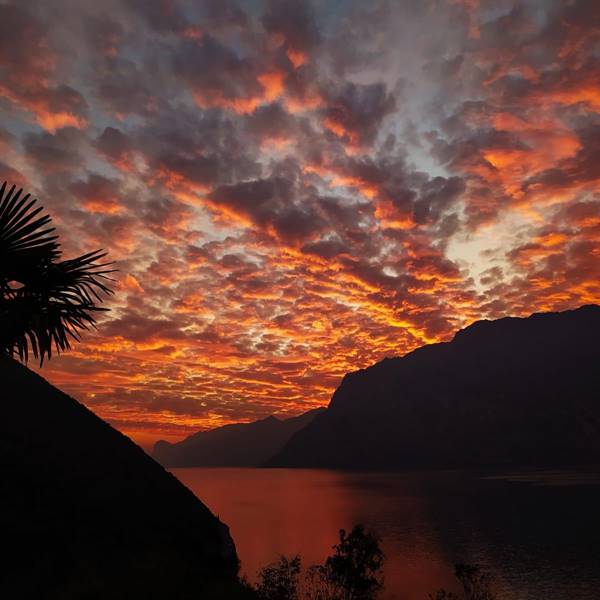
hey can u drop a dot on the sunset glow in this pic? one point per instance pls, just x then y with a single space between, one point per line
295 190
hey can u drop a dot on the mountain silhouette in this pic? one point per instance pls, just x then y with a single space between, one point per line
85 513
237 445
516 391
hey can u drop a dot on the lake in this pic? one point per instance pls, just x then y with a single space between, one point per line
538 532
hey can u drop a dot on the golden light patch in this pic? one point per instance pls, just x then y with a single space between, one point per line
297 57
53 121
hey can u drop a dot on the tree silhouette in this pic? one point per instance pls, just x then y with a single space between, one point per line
279 581
355 567
476 583
353 572
44 301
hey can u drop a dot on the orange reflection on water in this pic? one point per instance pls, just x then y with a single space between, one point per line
277 511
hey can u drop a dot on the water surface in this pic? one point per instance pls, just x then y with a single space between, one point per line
537 532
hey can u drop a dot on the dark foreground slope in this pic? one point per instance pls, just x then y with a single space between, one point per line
238 445
85 513
512 391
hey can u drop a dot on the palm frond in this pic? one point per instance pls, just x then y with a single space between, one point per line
55 299
24 236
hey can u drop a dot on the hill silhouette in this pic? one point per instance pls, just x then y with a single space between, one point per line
237 445
519 391
85 513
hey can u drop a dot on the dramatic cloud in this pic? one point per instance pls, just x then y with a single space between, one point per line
293 190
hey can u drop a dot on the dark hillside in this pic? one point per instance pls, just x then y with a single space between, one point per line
85 513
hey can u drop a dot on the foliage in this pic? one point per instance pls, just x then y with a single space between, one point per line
355 569
44 301
319 585
476 583
353 572
443 595
279 581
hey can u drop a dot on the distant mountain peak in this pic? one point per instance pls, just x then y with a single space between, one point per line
234 445
270 419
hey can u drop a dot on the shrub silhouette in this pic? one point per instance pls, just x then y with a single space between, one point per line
355 572
279 581
44 301
476 583
352 572
355 569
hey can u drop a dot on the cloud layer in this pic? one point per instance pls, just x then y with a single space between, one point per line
293 190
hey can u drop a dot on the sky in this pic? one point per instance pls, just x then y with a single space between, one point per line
295 189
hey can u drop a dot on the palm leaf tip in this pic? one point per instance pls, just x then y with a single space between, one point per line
23 233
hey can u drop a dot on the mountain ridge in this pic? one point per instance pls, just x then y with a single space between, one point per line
232 445
385 416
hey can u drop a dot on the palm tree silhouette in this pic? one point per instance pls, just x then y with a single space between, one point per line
44 301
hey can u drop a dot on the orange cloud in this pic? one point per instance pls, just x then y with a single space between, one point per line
295 220
271 82
53 121
297 57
